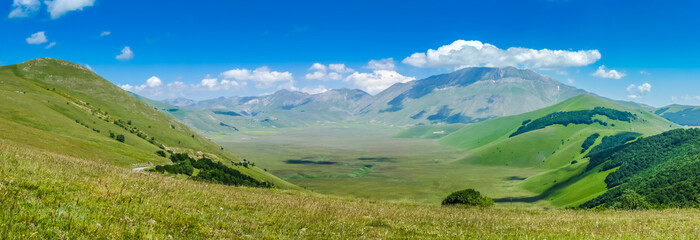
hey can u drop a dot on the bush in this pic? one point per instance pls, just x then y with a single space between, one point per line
120 138
469 197
160 153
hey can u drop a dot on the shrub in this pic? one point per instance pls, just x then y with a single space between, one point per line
469 197
120 138
160 153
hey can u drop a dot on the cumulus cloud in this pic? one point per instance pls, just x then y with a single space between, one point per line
318 67
151 83
602 73
126 54
58 8
463 53
330 72
381 64
377 81
50 45
315 90
23 8
213 84
105 33
339 68
154 82
640 91
262 77
37 38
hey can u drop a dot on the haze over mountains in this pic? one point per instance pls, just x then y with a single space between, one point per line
465 96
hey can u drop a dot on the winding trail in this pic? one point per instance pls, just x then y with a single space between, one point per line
139 169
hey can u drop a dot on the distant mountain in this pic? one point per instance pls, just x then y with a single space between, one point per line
465 96
180 102
681 114
63 107
561 138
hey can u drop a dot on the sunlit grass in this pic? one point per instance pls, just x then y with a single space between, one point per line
45 195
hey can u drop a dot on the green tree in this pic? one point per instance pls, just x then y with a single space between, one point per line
469 197
631 200
120 138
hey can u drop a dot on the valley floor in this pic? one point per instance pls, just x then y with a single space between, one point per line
369 162
46 195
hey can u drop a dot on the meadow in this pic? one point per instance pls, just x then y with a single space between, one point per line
370 162
47 195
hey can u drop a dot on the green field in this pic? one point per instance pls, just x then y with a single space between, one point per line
369 162
85 199
411 164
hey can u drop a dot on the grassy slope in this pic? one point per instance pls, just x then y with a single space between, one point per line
85 199
43 98
681 114
553 147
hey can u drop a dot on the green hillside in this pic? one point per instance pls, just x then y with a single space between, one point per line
553 138
65 108
661 169
681 114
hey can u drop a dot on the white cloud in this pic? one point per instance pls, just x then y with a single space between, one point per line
154 82
376 81
22 8
37 38
176 86
127 87
58 8
570 80
645 73
330 72
316 90
318 67
126 55
213 84
50 45
688 98
105 33
381 64
263 77
602 73
640 91
462 53
315 75
339 68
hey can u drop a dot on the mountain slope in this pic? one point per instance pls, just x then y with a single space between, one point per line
681 114
465 96
558 147
662 169
65 108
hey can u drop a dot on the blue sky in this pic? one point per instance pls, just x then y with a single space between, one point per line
641 50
